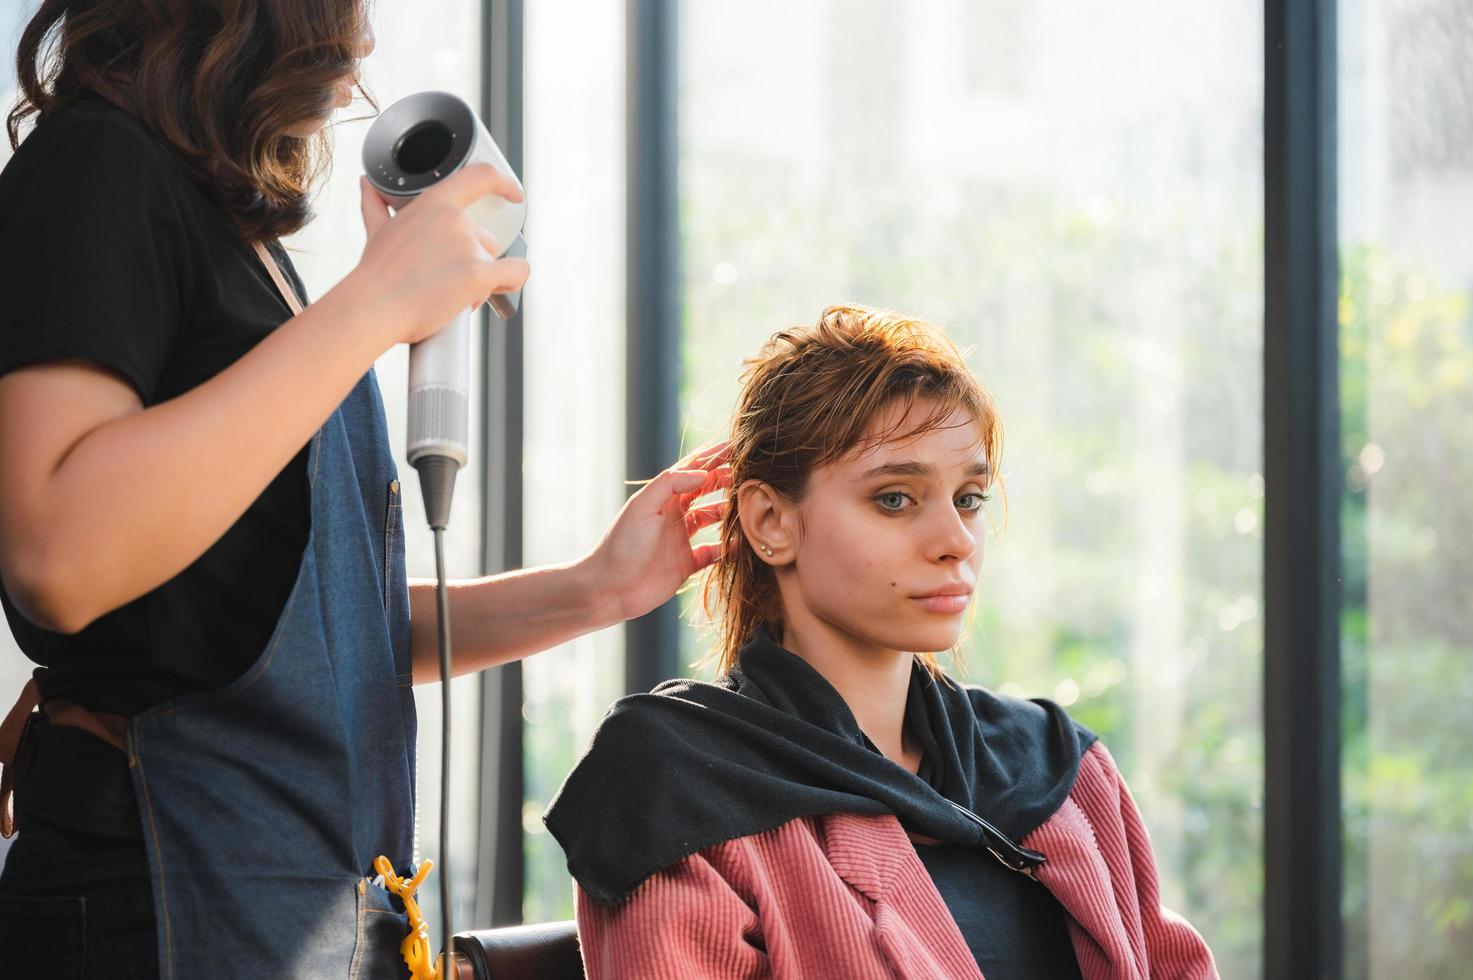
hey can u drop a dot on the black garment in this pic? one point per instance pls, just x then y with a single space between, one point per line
70 779
76 905
1014 926
692 764
109 254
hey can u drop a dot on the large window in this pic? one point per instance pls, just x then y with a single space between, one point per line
1406 343
1075 191
573 465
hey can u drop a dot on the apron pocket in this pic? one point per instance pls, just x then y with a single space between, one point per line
43 937
382 926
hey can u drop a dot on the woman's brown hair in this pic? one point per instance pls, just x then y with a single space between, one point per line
809 396
218 82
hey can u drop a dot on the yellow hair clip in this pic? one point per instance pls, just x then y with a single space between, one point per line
416 946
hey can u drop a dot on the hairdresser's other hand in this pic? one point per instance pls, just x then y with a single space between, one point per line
430 259
646 554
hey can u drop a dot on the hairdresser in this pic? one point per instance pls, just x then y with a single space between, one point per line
201 539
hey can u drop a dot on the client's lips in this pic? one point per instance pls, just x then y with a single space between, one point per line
948 599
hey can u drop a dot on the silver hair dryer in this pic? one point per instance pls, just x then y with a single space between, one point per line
413 145
416 143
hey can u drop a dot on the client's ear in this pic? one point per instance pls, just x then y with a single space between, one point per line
769 521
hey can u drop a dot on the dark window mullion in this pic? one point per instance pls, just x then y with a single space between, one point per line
501 874
1302 838
652 321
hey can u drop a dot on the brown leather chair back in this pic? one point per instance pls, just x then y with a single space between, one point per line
542 951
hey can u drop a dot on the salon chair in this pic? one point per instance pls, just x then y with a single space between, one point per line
542 951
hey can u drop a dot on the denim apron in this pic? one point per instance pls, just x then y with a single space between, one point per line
265 802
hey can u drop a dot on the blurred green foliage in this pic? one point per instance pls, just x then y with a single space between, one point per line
1125 353
1407 622
1123 347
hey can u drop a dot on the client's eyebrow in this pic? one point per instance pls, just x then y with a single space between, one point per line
913 468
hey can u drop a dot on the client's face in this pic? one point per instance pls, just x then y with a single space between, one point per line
892 538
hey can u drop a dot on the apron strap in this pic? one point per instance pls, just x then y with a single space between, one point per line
112 729
287 293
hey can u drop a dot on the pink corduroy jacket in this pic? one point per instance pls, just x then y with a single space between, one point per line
846 896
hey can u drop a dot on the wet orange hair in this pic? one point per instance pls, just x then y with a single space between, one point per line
808 397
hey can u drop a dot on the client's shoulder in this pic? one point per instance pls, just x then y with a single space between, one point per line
1032 721
671 707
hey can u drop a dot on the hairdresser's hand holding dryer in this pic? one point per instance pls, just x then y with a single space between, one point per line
201 532
646 553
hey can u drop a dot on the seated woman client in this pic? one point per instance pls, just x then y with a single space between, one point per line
835 805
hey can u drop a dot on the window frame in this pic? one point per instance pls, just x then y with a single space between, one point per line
500 878
1303 844
1303 839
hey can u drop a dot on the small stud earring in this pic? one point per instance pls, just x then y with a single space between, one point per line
767 551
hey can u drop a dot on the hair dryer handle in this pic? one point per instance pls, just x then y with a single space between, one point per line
439 393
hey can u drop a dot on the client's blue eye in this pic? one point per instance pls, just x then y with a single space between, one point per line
978 499
893 501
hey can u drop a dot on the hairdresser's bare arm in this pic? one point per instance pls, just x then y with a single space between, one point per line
644 556
506 617
105 500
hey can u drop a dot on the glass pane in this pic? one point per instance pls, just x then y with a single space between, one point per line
432 45
573 457
1075 191
1406 203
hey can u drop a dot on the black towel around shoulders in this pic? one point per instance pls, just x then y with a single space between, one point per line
693 764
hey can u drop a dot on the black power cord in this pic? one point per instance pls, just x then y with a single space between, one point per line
437 483
442 595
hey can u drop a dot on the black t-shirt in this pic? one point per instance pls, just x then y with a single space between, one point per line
1014 927
110 254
